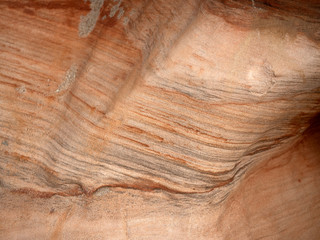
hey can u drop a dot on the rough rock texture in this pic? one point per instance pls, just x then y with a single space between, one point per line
159 119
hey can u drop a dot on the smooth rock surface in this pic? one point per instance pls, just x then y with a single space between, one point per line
159 119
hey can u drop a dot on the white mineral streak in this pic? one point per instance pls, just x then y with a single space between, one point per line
88 22
68 79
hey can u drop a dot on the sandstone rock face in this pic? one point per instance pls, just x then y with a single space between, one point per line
159 119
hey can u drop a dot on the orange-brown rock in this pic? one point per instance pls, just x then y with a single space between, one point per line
179 119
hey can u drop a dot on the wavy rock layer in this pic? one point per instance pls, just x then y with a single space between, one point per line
169 100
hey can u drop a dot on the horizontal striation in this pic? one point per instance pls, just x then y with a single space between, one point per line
177 99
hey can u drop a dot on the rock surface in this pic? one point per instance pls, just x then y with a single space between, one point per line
159 119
